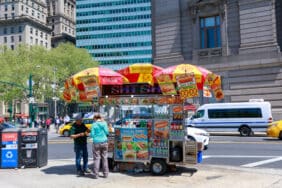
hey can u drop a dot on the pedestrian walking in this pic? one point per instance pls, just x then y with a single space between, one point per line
99 133
57 124
48 123
79 133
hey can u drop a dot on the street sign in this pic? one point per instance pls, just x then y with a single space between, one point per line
31 100
55 98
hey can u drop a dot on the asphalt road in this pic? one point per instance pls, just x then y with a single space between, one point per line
249 152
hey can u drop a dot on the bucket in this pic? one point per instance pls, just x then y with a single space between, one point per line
200 156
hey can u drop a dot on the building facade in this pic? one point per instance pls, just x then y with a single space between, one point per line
61 18
24 21
116 33
238 39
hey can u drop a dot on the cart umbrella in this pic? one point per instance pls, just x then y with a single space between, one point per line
141 73
189 79
85 85
172 72
97 76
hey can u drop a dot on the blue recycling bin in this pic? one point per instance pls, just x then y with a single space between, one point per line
9 151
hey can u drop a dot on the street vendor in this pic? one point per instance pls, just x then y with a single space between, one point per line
79 133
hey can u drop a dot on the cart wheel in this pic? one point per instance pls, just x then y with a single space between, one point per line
158 167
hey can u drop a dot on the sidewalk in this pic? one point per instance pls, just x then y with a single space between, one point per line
61 173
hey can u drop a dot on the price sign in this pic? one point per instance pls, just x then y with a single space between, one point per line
188 93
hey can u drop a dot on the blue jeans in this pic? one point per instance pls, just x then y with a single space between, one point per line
81 151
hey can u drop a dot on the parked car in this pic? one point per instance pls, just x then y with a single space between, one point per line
64 130
6 125
274 129
198 135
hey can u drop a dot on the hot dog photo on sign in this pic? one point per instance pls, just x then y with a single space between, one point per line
161 129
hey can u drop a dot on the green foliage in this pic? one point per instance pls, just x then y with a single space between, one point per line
46 67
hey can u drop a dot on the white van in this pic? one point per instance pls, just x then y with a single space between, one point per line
245 117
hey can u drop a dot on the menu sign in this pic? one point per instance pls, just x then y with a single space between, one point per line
91 88
166 85
187 86
214 83
132 144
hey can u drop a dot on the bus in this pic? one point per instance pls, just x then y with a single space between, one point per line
245 117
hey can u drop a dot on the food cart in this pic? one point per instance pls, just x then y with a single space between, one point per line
151 128
148 102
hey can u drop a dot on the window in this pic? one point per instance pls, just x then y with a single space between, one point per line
5 30
12 38
36 32
20 29
20 38
6 16
6 7
32 12
199 114
12 29
36 41
210 32
31 40
13 7
235 113
41 34
31 30
5 39
13 15
12 47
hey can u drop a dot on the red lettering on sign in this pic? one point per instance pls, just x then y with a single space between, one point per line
6 137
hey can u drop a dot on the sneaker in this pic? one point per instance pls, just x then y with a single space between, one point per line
80 173
88 171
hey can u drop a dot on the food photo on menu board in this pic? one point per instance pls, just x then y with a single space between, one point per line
161 129
134 144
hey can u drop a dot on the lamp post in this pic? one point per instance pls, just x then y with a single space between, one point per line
31 100
54 93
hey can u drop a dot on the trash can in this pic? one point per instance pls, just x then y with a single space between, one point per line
34 147
9 148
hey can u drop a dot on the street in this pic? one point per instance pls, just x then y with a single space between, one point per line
235 151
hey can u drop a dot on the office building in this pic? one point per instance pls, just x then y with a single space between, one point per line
24 21
238 39
61 18
116 33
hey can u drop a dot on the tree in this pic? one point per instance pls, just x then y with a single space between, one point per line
45 66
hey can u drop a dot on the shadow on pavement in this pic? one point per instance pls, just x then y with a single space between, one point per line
60 170
64 170
177 172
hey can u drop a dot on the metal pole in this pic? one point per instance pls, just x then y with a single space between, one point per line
30 98
54 94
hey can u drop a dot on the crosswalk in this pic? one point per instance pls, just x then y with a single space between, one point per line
259 159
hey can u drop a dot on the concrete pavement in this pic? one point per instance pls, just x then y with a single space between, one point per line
61 173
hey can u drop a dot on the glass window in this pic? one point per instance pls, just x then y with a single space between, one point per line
5 30
12 38
20 38
210 34
5 39
20 29
12 29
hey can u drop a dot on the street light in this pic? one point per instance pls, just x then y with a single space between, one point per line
54 93
31 100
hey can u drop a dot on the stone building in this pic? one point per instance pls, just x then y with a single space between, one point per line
24 21
61 18
238 39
